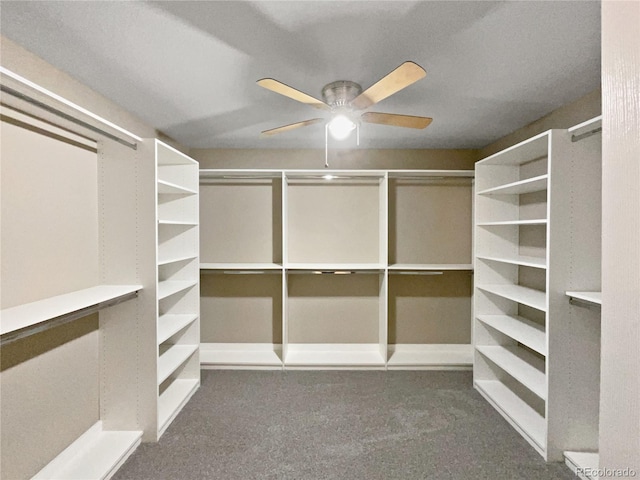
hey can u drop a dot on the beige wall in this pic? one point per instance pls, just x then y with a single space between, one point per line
338 159
620 355
566 116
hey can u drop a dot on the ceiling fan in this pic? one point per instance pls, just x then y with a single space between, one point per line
345 99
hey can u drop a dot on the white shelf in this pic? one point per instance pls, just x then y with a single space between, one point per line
589 125
35 313
171 287
171 358
520 364
334 355
523 152
240 354
523 260
517 293
515 410
334 267
417 174
95 455
520 329
529 185
432 355
170 324
584 464
249 267
426 267
173 399
182 258
176 223
173 189
537 221
167 155
590 297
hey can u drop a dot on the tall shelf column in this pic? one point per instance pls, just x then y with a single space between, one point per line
534 203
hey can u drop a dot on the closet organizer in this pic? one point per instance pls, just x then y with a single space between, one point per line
100 304
336 268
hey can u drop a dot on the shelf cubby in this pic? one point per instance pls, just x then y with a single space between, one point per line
241 318
336 220
335 320
430 220
429 318
241 217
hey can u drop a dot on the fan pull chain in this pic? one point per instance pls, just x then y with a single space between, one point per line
326 145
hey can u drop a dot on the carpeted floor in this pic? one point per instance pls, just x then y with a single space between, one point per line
330 425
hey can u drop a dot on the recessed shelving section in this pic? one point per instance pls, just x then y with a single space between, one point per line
287 256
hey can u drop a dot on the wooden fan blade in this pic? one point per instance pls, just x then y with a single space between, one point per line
287 91
401 77
292 126
394 120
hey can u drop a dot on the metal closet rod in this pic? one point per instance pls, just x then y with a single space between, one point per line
577 138
64 101
66 116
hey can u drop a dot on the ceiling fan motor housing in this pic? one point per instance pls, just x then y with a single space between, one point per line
340 93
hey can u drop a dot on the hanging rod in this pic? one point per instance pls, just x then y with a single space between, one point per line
68 103
577 138
66 116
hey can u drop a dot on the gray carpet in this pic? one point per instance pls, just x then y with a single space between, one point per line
333 425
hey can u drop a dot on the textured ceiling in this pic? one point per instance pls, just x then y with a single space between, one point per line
189 68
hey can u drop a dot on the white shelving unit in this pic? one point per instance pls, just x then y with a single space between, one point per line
177 329
305 251
242 269
71 298
534 208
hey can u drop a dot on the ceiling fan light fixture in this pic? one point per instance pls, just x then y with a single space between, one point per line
341 127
